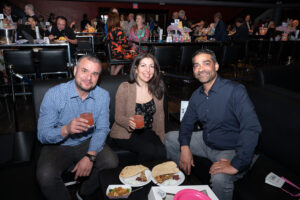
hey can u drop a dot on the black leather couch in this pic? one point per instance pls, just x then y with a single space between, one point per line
278 146
286 77
109 83
278 110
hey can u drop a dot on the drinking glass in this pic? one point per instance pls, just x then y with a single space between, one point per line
139 120
150 36
89 117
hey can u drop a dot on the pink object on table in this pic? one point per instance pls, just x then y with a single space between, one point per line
190 194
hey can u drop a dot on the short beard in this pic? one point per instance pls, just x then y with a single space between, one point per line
82 89
209 80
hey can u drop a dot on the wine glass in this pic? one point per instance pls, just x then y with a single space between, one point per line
150 36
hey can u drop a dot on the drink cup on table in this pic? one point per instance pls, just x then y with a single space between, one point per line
89 117
139 120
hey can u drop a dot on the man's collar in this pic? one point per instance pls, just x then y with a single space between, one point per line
73 91
215 86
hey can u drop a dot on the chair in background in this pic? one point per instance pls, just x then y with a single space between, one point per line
275 49
287 52
218 48
112 61
167 57
186 65
52 62
21 60
85 45
234 53
22 63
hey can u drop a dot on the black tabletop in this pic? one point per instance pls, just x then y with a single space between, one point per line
164 43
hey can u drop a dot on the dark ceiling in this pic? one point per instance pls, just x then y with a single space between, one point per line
231 3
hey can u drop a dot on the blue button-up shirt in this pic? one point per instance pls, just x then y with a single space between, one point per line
61 104
228 117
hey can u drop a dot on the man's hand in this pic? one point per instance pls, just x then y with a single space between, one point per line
77 125
222 166
51 37
83 167
186 159
67 39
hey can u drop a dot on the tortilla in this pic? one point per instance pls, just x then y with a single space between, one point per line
169 167
132 170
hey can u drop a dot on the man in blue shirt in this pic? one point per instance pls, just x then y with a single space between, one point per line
69 139
230 127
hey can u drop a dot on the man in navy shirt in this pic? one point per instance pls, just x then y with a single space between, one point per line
230 127
220 31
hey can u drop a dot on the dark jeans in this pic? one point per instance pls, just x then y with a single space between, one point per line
55 159
145 143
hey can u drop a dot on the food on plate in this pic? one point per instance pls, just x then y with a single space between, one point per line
142 178
91 30
165 171
62 38
118 191
132 170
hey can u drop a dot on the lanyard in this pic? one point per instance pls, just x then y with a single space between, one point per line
292 184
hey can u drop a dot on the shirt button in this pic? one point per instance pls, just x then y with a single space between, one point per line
206 97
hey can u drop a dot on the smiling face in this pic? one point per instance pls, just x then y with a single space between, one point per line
32 22
204 68
7 10
145 70
86 75
139 20
61 24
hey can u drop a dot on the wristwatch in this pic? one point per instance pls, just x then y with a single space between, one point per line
91 157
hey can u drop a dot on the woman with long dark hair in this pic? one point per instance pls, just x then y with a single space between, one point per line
142 95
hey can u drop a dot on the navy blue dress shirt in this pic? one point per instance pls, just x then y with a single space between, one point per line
228 117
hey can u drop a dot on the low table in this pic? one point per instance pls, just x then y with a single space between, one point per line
111 176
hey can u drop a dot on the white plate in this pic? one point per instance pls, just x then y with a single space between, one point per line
60 41
171 182
133 182
115 186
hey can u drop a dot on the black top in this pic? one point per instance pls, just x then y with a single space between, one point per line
66 32
241 33
15 18
83 23
220 31
33 34
228 117
148 109
271 33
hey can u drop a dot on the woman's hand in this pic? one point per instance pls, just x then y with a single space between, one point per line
132 123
